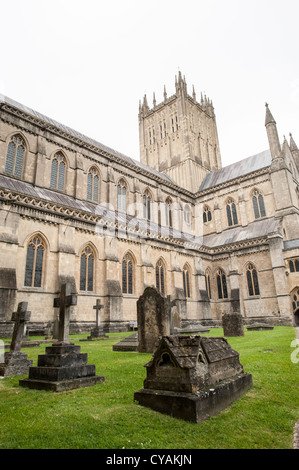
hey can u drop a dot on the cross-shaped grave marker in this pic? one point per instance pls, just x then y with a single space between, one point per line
98 308
64 302
20 317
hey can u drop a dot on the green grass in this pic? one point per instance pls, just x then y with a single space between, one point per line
105 416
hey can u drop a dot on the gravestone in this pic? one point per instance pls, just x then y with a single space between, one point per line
259 327
193 377
130 343
97 332
232 324
63 367
153 318
48 330
16 362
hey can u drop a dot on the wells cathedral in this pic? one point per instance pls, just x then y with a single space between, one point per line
216 240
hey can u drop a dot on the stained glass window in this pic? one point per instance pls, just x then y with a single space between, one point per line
34 262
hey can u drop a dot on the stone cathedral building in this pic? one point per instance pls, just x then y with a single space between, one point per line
215 239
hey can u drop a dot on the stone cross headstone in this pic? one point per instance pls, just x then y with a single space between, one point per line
98 308
153 317
63 367
16 362
20 317
98 331
64 302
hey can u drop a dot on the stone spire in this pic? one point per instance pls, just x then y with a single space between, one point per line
295 151
273 139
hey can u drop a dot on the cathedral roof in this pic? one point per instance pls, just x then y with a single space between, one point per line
77 135
235 170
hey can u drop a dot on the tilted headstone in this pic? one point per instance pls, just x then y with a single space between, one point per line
153 318
63 367
16 362
193 377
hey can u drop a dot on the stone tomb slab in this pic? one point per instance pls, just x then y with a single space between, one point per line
193 377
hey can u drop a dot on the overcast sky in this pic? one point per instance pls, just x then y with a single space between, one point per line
87 64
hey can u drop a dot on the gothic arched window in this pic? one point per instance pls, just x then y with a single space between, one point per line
34 262
58 172
127 275
93 185
258 205
122 196
147 205
207 214
168 213
187 214
87 269
160 277
252 280
208 283
294 265
186 281
295 300
221 284
231 212
15 156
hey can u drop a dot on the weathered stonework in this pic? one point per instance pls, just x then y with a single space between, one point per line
193 377
181 167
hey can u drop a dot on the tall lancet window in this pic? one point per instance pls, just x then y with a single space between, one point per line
93 185
121 196
58 172
258 205
34 262
221 284
160 277
87 269
168 213
147 205
127 275
252 280
186 281
15 156
231 211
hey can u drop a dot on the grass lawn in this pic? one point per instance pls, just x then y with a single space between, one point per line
105 415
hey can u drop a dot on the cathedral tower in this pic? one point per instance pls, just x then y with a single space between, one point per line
179 136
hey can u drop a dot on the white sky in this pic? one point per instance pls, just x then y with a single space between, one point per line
87 64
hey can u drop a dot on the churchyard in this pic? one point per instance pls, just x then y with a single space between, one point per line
105 415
